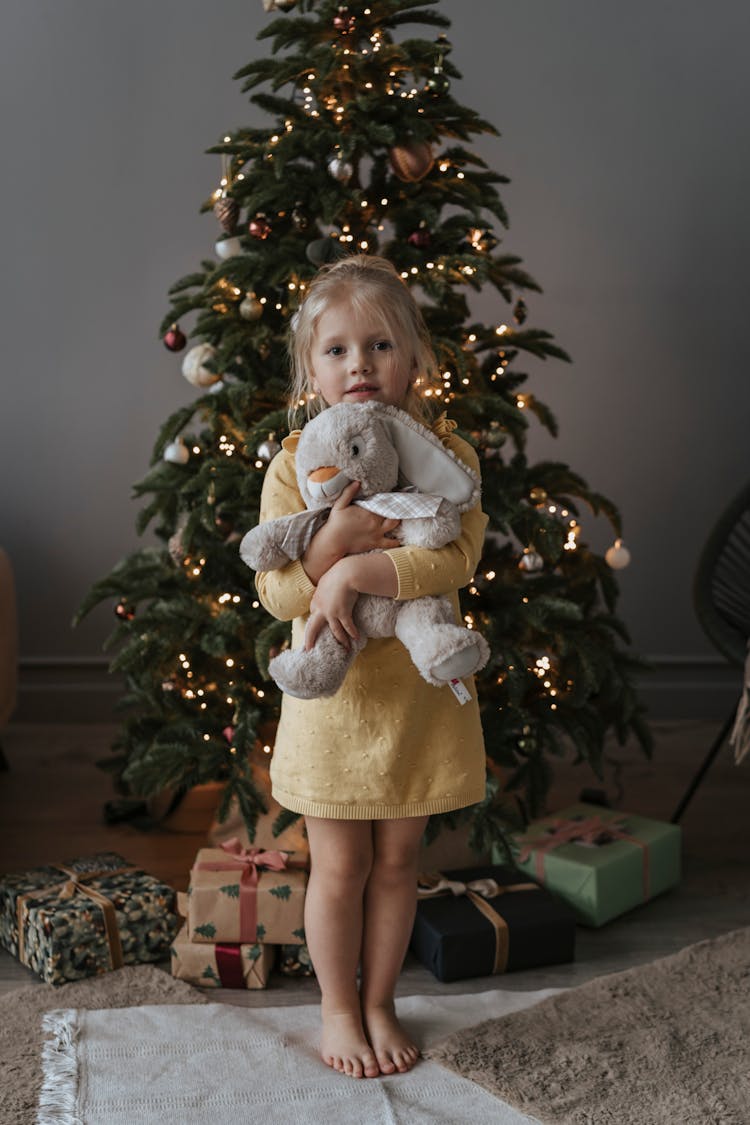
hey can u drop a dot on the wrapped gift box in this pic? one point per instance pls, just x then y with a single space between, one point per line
86 916
501 922
602 862
221 965
246 895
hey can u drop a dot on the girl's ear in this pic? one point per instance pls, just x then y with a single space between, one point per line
425 462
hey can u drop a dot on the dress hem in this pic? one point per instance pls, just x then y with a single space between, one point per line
336 810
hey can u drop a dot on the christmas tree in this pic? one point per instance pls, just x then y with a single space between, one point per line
365 152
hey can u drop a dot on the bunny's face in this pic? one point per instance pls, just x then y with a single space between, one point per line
344 443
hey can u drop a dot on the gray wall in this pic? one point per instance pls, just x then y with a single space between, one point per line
623 134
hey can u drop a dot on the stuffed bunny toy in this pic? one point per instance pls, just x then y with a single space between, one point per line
382 447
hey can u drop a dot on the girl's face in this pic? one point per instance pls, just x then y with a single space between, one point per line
354 359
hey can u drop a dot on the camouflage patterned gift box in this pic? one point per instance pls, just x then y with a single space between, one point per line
221 965
246 895
87 916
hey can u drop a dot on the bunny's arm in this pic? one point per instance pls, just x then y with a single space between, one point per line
285 593
422 571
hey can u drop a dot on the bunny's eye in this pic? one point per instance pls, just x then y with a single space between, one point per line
356 446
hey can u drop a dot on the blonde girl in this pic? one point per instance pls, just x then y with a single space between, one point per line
368 766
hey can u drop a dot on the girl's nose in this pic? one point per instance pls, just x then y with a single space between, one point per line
360 361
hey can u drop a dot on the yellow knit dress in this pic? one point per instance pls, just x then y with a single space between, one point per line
388 744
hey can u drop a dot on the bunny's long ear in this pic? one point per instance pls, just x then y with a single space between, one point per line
426 463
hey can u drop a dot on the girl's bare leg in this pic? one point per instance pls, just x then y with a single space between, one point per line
341 853
390 905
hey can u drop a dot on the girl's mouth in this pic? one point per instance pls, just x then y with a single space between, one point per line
362 388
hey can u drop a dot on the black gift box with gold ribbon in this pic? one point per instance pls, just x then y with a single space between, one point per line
478 921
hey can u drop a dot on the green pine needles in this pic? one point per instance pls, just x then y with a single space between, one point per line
365 150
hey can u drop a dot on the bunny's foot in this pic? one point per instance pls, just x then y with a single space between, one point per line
317 673
441 650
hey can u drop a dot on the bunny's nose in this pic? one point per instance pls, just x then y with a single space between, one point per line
320 476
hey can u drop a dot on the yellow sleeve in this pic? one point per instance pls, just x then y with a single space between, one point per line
285 593
423 571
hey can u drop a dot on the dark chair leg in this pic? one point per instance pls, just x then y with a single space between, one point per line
3 760
704 768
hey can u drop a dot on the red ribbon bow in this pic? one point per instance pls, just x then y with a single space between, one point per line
250 860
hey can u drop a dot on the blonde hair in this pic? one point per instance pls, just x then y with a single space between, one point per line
365 281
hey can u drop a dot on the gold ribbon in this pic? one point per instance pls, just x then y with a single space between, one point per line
477 892
72 885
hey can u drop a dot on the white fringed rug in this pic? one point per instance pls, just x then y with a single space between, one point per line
222 1065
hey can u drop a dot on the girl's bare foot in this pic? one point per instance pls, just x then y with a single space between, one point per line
344 1046
394 1049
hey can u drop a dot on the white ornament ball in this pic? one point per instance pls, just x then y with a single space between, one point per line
177 452
531 560
340 169
268 449
228 248
194 369
618 556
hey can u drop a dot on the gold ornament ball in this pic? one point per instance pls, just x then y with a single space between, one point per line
411 162
251 308
538 496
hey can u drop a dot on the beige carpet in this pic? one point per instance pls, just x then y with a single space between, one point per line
21 1025
663 1044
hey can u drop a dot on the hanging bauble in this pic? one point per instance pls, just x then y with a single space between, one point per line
519 311
174 340
268 449
530 560
340 169
228 248
617 556
194 366
259 227
124 611
538 495
299 218
278 5
420 238
438 83
175 543
250 307
412 161
177 452
227 211
344 21
323 250
217 387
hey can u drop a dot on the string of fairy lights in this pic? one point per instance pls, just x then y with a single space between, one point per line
227 299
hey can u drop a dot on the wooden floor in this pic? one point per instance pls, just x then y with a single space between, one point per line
52 795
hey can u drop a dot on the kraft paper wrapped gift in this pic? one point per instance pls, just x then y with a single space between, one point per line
478 921
246 895
221 965
602 862
86 916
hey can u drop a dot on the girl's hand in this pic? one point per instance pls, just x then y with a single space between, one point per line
354 530
333 604
349 530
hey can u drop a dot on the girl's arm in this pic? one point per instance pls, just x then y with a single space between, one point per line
422 571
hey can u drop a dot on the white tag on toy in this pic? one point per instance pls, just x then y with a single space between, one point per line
460 691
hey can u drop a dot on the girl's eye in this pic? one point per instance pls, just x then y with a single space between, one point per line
382 345
335 350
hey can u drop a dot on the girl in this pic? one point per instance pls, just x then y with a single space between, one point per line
369 765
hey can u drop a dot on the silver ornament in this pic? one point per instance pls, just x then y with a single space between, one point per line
268 449
228 248
177 452
340 169
531 560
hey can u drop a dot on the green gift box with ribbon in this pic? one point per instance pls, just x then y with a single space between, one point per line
600 861
86 916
